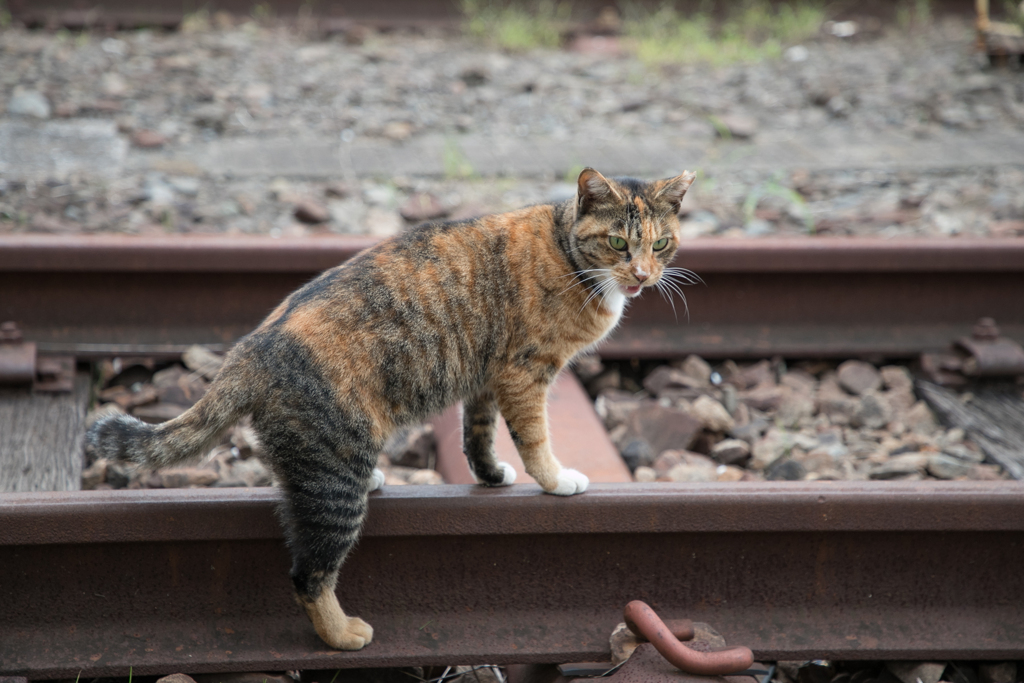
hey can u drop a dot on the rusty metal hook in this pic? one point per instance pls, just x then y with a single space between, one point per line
642 621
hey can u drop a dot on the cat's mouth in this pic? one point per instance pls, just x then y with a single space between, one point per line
631 290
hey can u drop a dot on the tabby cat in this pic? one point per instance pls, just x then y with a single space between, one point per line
486 311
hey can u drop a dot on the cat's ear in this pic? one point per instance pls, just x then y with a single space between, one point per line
674 189
593 189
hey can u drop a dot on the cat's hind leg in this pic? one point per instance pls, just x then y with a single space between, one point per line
325 484
479 422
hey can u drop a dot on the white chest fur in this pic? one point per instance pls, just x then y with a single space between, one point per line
614 304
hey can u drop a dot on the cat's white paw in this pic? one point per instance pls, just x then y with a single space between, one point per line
570 482
510 474
376 479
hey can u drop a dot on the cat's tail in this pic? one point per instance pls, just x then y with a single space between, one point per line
187 437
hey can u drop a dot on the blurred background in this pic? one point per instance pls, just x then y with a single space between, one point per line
289 118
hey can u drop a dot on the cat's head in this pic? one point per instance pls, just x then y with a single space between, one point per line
626 231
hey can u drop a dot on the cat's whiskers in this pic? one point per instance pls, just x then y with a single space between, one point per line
599 271
660 286
599 290
671 284
685 273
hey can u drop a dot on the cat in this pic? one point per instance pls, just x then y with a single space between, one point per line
486 311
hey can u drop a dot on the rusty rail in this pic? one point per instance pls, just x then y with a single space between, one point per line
196 580
392 13
792 297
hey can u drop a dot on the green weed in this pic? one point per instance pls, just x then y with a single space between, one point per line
911 14
753 32
5 15
515 27
197 21
773 188
456 165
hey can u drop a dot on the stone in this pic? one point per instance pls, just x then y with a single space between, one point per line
758 374
119 475
664 378
587 366
800 381
662 427
832 401
751 431
623 642
685 462
712 415
212 115
202 360
645 474
873 411
795 407
962 452
94 474
764 397
252 472
920 419
113 84
697 368
985 473
243 677
896 377
685 472
731 451
30 103
899 466
127 399
997 672
942 466
729 473
176 678
614 407
383 223
785 470
311 212
148 139
770 448
917 672
177 385
184 477
422 206
738 126
413 446
398 130
425 477
637 452
57 149
857 377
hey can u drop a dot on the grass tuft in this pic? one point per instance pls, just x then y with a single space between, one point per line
752 32
515 27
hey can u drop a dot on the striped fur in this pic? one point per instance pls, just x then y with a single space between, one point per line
485 311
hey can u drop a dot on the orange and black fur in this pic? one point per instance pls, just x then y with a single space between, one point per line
486 311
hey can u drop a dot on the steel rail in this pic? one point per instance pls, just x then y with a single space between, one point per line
392 13
93 583
827 297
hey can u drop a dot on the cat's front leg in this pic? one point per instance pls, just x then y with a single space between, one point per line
479 421
523 398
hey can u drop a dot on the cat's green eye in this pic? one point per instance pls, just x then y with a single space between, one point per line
661 244
618 244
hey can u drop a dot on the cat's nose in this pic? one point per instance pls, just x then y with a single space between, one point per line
641 275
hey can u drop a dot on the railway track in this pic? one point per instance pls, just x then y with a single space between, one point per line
798 298
157 581
394 13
